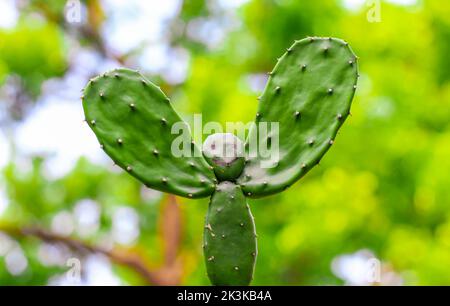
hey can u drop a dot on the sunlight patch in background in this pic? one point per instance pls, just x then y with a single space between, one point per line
357 269
232 4
16 262
56 129
135 22
96 270
9 15
125 226
87 217
63 223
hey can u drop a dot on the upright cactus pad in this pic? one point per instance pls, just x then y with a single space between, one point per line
229 239
309 94
132 119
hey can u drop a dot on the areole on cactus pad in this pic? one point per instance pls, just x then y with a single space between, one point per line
309 94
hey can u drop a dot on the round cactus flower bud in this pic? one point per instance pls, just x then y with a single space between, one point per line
225 153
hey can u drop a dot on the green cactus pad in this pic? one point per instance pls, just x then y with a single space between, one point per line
132 119
229 237
309 93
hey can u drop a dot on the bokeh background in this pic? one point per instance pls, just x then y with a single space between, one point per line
381 192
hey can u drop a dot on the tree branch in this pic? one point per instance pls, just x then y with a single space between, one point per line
169 273
129 260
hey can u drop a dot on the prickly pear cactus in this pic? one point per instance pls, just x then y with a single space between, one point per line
308 94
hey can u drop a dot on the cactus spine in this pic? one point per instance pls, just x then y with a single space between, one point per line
309 93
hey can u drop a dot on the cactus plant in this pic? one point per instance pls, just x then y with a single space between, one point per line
309 93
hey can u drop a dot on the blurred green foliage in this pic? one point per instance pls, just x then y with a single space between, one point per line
383 186
34 51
